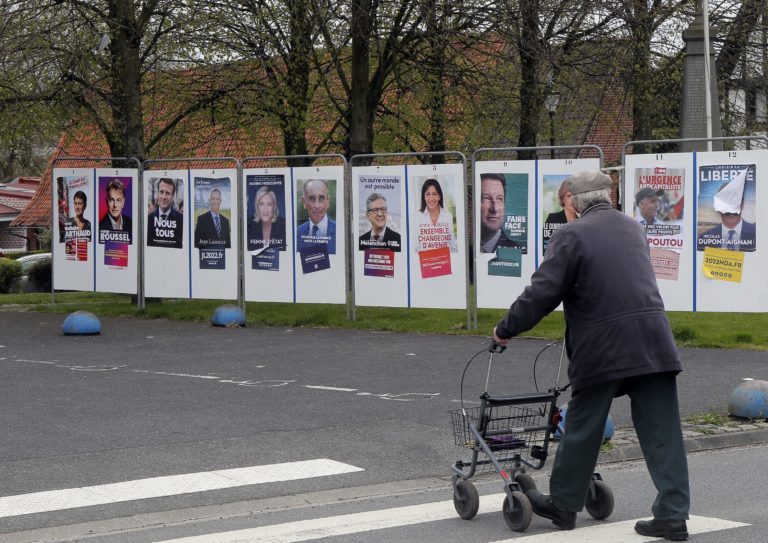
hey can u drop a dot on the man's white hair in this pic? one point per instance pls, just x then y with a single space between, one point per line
586 200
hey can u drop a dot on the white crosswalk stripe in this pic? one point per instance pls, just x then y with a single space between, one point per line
308 530
172 485
623 531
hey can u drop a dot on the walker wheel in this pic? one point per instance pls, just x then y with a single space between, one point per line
526 482
601 506
466 500
518 519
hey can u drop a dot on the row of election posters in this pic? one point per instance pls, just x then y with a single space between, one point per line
408 230
700 213
190 233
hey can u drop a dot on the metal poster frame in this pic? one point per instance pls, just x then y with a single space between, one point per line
347 196
371 158
624 153
239 169
140 259
477 152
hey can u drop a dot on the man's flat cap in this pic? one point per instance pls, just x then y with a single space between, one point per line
587 182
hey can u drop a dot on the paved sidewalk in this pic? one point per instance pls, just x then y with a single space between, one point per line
698 437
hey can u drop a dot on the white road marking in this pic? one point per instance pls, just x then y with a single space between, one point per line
308 530
338 389
172 485
623 531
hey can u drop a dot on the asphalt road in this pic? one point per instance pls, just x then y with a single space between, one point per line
153 398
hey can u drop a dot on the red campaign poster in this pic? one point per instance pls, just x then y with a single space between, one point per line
379 263
435 262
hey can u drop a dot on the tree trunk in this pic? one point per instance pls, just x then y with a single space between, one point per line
530 99
127 138
640 76
360 114
294 119
435 82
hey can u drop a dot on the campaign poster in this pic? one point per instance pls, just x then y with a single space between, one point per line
659 207
726 210
434 223
213 219
556 206
115 213
74 227
265 230
503 212
315 222
504 221
165 208
381 222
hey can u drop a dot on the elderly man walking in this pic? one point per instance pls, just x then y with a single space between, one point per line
619 342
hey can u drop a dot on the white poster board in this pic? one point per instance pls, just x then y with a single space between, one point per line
505 235
268 230
554 207
320 256
730 275
213 234
74 263
379 203
438 255
166 234
116 236
659 191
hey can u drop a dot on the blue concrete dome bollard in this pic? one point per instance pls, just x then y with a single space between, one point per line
228 315
610 427
749 399
81 323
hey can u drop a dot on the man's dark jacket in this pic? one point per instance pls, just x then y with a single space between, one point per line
599 266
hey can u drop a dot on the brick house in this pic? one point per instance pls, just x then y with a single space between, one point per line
15 197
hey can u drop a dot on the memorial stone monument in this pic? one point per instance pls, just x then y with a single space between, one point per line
693 108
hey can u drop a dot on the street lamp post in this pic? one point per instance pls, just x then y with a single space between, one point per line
551 102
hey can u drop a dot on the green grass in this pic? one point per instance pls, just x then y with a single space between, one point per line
714 330
715 418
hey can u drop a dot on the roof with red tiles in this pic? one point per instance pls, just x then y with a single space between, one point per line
200 137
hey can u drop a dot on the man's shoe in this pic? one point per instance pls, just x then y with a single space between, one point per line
669 529
543 506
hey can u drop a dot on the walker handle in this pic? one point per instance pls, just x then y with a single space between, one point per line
496 348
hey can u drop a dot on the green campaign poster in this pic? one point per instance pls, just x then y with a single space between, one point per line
516 210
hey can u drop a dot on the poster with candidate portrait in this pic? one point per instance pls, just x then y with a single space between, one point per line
505 197
268 229
380 217
730 256
658 192
213 220
167 267
380 265
165 212
437 241
658 201
73 257
116 252
213 257
726 207
266 236
555 209
320 259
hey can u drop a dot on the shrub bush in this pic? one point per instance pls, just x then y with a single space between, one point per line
39 276
10 271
